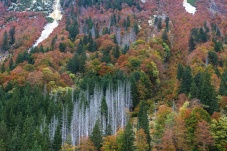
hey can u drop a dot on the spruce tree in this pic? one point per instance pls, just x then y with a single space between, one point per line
12 35
105 31
5 44
20 58
77 63
218 47
125 24
167 23
159 25
180 70
108 130
134 92
203 35
85 40
106 56
2 145
96 136
94 46
136 28
116 52
57 139
191 44
223 85
194 91
198 81
218 33
96 33
143 121
62 47
115 39
3 68
125 49
213 58
165 36
206 28
156 21
41 49
104 107
45 139
36 147
73 30
53 42
128 22
128 138
186 81
11 64
208 96
113 20
90 40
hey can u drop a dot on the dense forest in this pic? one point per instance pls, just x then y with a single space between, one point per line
118 75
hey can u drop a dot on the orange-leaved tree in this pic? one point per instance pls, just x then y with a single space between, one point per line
203 137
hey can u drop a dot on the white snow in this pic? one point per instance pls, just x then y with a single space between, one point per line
150 22
48 29
189 8
56 14
144 1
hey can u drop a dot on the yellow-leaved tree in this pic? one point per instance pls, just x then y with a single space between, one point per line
141 141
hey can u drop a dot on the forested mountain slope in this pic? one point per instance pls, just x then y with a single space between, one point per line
119 75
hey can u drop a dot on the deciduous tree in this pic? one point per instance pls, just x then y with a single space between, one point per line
167 140
180 135
219 129
203 137
109 143
141 141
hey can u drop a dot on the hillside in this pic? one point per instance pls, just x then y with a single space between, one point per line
108 75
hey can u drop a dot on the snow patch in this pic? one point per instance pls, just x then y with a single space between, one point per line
48 29
56 15
189 8
150 22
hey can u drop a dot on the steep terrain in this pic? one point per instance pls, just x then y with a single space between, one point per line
113 75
